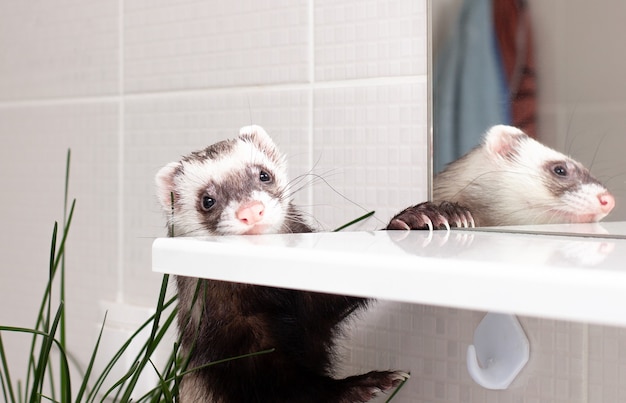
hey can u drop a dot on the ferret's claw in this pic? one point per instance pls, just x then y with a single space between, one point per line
456 213
431 216
396 223
428 222
471 217
402 376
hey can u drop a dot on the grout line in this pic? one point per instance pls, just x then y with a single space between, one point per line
429 103
311 34
585 364
311 113
120 156
361 82
57 101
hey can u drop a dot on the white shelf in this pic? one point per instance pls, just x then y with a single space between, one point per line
562 277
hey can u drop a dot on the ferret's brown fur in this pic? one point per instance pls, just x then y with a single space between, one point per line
236 187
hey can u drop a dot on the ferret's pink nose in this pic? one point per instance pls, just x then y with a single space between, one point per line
250 213
607 202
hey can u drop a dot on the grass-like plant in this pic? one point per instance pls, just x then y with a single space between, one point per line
43 382
48 375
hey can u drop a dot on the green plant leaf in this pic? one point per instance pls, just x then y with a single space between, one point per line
395 392
84 383
42 307
51 274
106 371
121 381
49 398
356 220
66 228
51 382
239 357
65 381
44 356
180 375
41 321
155 326
7 376
150 345
164 387
48 338
171 367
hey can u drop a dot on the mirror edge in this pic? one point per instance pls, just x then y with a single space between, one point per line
429 99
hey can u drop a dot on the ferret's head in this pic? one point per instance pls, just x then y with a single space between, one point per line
541 185
233 187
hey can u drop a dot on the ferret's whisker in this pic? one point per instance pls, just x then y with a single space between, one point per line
595 153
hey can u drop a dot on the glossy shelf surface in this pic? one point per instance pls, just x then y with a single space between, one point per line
579 278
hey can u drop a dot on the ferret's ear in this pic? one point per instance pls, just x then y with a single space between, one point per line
257 135
503 141
253 130
165 184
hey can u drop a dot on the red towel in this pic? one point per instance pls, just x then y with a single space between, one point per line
513 29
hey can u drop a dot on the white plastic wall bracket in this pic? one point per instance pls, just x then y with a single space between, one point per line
499 353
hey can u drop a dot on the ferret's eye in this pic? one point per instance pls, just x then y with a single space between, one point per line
560 170
207 202
264 176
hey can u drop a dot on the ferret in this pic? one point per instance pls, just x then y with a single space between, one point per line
237 187
512 179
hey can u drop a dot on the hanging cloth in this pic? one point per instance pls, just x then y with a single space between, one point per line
514 37
469 86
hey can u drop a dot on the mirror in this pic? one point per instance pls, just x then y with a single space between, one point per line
580 78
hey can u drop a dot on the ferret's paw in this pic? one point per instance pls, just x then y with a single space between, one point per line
422 216
425 215
363 388
431 216
457 215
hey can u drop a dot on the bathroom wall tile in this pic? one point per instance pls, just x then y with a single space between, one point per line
431 343
159 130
191 45
58 49
366 39
32 160
607 364
370 149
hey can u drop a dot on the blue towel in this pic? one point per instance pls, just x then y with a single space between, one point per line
469 87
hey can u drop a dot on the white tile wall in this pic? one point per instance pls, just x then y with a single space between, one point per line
191 44
32 161
60 48
369 38
341 85
432 343
607 364
366 141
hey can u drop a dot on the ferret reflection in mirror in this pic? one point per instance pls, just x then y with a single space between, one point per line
512 179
